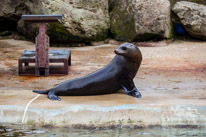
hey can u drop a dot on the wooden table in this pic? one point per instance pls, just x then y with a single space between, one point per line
42 56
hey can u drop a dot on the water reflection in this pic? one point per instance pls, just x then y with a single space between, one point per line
22 131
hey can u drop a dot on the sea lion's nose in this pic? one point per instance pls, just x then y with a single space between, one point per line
115 51
118 51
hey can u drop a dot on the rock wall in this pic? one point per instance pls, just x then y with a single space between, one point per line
96 20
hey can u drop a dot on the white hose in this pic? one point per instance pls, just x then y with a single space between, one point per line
26 108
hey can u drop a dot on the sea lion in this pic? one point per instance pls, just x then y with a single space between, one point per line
119 73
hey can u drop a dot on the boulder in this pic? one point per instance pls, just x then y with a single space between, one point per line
193 17
137 20
83 20
195 1
10 13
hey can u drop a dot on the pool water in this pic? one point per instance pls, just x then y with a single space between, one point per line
22 131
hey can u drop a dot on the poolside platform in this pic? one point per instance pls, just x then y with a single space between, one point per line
172 80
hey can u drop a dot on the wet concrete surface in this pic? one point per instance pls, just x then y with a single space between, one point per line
172 80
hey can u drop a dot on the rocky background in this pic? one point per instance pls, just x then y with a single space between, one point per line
85 21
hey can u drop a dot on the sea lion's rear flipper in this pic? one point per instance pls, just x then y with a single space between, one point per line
134 92
53 96
41 92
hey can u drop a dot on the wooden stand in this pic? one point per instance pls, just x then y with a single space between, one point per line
41 56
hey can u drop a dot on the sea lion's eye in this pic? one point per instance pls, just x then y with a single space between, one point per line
124 48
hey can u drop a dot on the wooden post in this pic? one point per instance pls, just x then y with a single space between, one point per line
42 49
41 41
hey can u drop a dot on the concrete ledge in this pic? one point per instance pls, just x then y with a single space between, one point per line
26 107
129 114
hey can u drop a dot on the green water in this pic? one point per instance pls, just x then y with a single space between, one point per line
22 131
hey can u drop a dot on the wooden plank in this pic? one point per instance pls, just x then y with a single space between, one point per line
41 18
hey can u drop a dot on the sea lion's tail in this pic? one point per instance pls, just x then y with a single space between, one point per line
41 92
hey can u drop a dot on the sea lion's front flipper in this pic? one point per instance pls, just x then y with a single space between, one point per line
53 96
133 92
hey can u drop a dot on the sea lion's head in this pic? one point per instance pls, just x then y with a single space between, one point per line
129 51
